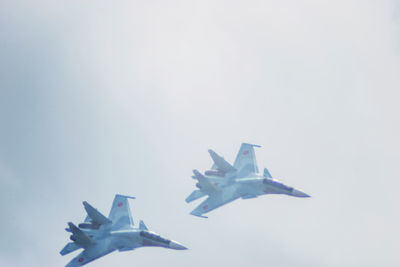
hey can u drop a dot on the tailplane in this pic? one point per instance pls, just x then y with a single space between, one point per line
79 237
220 163
94 218
266 173
204 184
142 226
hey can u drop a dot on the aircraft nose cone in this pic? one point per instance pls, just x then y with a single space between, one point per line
176 245
298 193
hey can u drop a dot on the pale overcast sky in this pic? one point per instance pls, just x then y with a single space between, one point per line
105 97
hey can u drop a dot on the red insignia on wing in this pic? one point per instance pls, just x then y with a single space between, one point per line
245 152
80 259
120 204
205 207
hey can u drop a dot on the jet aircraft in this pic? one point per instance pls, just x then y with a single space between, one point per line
100 235
225 182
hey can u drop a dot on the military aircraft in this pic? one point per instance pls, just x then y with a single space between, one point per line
99 235
225 182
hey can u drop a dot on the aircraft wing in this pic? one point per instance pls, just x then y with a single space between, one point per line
196 194
70 247
212 202
245 161
90 254
220 162
120 213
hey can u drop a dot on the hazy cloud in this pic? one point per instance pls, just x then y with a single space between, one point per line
99 98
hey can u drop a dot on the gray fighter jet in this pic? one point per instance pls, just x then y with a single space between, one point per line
225 183
99 235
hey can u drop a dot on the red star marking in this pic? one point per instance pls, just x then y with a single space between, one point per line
245 152
205 207
80 259
120 204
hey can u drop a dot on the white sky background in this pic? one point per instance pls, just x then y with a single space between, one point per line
100 97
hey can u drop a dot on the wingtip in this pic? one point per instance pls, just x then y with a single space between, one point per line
119 195
199 215
254 145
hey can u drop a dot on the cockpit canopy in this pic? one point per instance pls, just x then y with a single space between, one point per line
154 237
275 183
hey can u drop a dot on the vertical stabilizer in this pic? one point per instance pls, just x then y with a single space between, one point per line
245 162
142 226
266 173
120 213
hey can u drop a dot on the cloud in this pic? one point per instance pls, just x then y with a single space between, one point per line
100 98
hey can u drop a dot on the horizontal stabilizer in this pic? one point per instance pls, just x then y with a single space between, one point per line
96 217
79 237
220 162
197 175
266 173
196 194
204 184
142 226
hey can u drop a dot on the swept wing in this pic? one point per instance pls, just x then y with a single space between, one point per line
90 254
214 201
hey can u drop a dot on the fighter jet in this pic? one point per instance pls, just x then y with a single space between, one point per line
225 182
99 235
